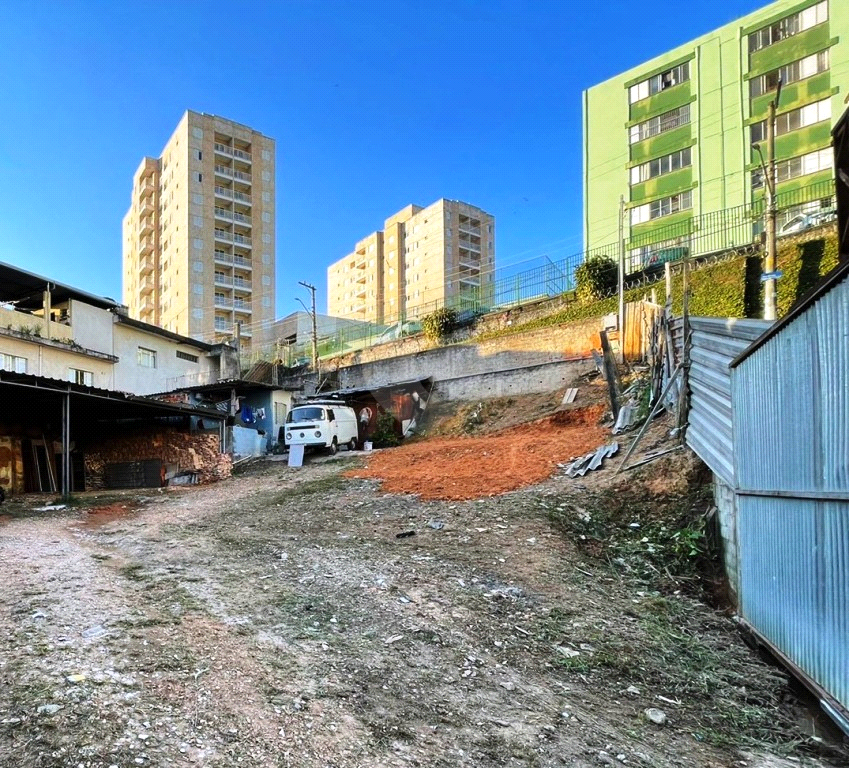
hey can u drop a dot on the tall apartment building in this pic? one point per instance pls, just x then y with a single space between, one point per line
198 239
424 258
674 136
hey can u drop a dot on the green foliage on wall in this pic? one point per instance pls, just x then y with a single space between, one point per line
803 264
723 289
437 325
596 278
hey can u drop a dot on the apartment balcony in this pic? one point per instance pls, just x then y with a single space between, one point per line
233 194
222 326
232 173
240 284
223 302
146 265
469 229
146 285
242 262
222 257
145 245
469 280
242 306
224 213
146 188
146 306
146 224
230 237
239 154
360 293
224 280
470 246
472 266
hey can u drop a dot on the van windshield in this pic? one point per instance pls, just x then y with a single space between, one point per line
305 414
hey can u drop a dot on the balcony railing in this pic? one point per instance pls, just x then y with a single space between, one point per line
233 152
241 283
223 301
468 228
241 261
241 306
146 285
232 194
223 258
230 237
223 213
223 280
470 246
231 173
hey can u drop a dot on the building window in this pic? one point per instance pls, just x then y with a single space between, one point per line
663 207
789 73
661 82
78 376
793 167
789 26
186 356
668 121
146 358
810 114
661 165
13 363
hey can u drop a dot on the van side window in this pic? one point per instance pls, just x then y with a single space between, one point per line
330 414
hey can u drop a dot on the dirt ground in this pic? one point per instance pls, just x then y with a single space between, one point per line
277 619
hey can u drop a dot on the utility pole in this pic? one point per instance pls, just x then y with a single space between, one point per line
769 183
311 289
621 286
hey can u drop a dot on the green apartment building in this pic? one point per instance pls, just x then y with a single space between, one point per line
674 136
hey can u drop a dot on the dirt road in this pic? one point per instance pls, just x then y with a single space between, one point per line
276 619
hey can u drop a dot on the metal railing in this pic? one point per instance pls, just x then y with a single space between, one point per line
233 152
708 236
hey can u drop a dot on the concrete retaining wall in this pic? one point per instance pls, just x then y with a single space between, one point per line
536 361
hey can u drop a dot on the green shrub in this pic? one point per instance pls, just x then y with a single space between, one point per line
384 435
437 325
596 278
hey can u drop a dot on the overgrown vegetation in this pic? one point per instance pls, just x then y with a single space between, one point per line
723 289
439 324
384 435
596 278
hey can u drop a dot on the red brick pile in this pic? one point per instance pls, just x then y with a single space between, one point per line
195 452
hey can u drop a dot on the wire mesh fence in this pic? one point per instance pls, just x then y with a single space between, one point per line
704 236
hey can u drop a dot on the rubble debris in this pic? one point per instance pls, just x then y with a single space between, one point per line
437 525
592 460
405 534
656 716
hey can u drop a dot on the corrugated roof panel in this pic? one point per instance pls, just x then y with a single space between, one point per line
794 582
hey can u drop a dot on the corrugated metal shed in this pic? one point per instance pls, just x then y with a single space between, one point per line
715 343
791 441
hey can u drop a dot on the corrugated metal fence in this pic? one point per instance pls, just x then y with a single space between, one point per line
791 442
715 343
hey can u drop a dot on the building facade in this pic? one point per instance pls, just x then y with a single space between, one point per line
681 136
199 236
55 331
423 259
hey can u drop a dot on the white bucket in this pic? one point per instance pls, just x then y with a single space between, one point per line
367 445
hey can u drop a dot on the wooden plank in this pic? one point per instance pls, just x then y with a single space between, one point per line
611 375
570 396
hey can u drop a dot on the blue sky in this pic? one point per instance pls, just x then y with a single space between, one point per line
373 105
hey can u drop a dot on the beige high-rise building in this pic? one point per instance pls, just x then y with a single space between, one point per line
423 259
198 239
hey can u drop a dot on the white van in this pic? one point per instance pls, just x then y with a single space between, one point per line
322 424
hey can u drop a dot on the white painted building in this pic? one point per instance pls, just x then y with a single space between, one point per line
52 330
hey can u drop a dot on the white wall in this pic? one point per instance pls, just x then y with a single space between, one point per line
170 371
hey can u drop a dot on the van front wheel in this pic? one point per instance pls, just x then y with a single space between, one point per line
333 447
352 444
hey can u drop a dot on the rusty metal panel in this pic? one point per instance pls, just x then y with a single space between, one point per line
791 403
794 582
714 343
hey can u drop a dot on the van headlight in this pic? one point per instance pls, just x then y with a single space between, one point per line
288 435
318 434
